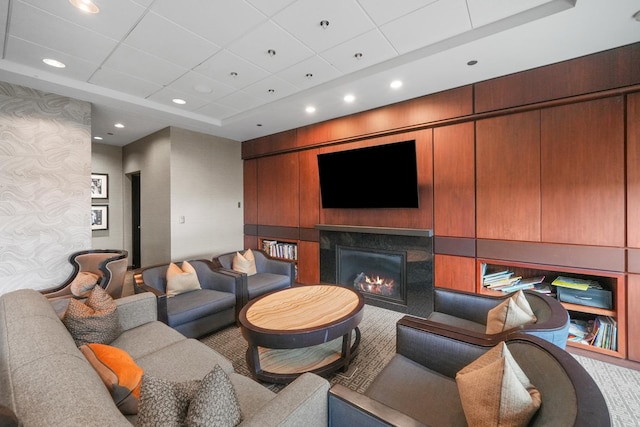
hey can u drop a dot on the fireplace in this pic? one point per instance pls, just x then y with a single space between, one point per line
393 268
376 273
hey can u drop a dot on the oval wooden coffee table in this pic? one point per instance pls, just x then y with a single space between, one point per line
301 329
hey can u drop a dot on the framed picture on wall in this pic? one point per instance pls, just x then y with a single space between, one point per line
99 186
99 217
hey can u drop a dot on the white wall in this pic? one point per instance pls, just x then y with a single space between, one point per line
107 159
206 187
45 191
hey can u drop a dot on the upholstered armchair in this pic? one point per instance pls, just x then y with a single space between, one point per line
466 312
271 274
197 312
107 266
418 386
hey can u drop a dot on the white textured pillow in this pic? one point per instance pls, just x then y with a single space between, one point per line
511 313
181 280
494 391
245 263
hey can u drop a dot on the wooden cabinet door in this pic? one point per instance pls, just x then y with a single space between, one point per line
582 153
633 170
633 323
454 272
508 177
278 190
453 181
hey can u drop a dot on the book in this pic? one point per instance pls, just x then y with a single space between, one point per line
575 283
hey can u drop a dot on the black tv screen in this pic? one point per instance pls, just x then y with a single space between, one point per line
383 176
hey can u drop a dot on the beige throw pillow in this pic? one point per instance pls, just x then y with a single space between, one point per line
245 263
181 280
513 312
83 283
494 391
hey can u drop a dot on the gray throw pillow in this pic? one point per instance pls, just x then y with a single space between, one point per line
94 321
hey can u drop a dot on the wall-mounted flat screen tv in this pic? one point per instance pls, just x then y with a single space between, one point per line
382 176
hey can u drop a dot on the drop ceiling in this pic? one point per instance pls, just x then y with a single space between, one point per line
135 56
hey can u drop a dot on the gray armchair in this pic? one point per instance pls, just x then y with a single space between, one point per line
109 264
417 387
272 274
464 311
195 313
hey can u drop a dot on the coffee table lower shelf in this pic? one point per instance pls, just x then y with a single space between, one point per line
282 366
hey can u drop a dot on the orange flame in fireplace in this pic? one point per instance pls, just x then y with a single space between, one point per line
374 285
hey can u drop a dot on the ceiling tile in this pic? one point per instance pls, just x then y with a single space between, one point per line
217 110
254 47
320 69
261 89
428 25
240 101
29 54
270 7
372 45
164 39
196 84
140 64
124 83
219 21
115 20
222 64
384 11
302 19
39 27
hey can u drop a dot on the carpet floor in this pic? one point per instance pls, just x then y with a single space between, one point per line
620 386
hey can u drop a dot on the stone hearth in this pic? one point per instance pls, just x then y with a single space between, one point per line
414 246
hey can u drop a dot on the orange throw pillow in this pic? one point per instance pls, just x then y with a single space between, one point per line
119 372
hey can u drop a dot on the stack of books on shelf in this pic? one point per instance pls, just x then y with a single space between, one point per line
280 249
600 332
505 281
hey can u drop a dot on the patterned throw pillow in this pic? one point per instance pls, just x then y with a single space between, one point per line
119 372
83 283
94 321
210 402
494 391
511 313
181 280
245 263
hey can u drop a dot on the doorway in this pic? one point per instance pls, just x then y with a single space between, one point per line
135 221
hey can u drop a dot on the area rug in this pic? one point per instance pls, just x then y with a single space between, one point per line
620 386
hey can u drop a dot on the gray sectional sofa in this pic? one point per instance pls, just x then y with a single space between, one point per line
46 381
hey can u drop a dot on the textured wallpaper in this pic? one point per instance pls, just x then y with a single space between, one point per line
45 199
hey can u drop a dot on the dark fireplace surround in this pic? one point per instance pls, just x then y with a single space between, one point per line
393 268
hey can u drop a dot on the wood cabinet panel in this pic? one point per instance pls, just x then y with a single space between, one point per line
308 262
454 272
633 170
508 177
281 141
250 185
633 323
278 190
582 154
605 70
454 181
309 189
421 218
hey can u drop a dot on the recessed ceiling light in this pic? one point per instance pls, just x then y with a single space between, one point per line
85 5
259 124
97 138
54 63
310 109
358 56
178 101
349 98
271 52
233 74
119 125
472 62
271 91
324 24
396 84
308 75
